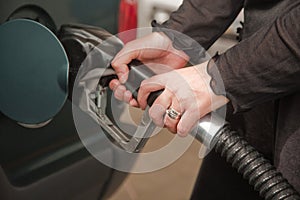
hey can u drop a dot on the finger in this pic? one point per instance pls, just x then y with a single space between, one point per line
119 92
159 107
133 103
122 73
125 56
121 61
113 84
148 86
127 96
170 123
186 123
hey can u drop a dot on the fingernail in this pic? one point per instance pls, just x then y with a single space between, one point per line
133 103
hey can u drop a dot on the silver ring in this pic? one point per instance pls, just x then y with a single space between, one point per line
173 114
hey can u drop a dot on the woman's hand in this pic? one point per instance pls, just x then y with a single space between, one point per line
186 91
154 50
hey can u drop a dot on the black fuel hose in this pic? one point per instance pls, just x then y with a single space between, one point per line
270 183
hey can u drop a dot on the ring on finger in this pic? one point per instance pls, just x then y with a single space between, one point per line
173 114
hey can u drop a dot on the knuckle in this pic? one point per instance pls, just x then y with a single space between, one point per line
115 63
143 83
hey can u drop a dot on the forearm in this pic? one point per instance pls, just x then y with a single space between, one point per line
203 20
263 67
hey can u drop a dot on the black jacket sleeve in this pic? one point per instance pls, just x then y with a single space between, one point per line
204 20
265 66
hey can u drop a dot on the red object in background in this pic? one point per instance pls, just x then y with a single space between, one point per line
127 20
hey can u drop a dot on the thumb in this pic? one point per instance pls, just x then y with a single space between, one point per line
121 61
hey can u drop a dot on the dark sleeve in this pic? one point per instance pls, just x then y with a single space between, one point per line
204 20
264 66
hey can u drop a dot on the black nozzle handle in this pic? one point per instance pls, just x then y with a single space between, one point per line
137 73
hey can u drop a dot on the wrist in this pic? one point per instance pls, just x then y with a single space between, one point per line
182 42
218 99
164 39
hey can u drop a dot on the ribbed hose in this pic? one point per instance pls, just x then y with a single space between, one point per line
254 167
